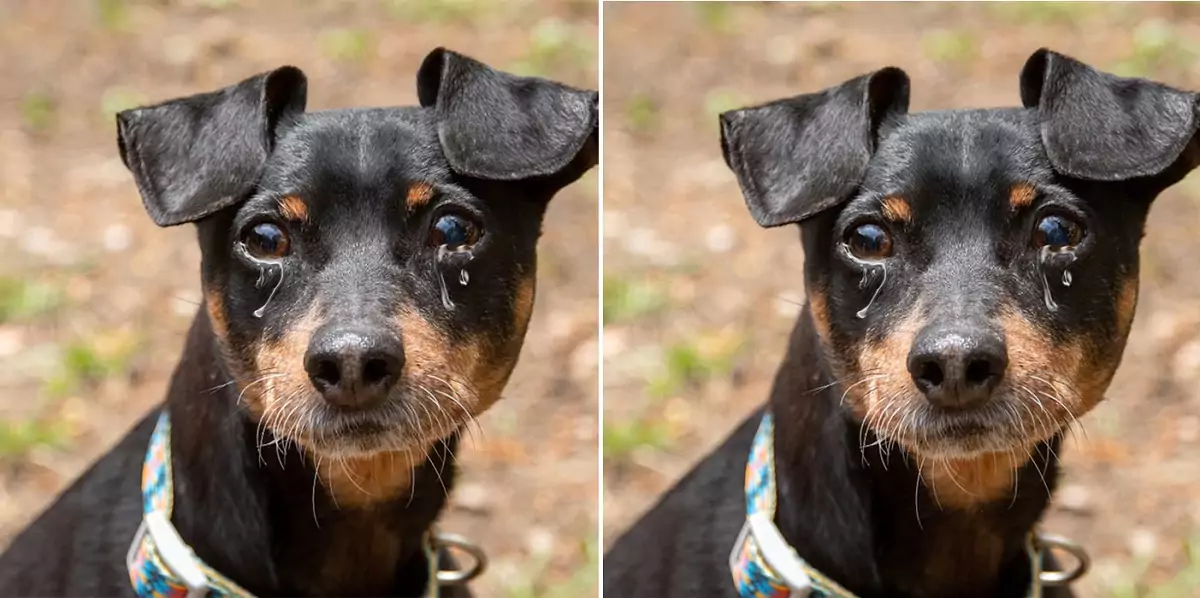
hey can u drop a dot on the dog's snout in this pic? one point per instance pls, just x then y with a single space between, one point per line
354 368
958 367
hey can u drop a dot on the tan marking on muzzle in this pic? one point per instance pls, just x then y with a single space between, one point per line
279 366
897 209
1021 196
882 375
293 208
419 194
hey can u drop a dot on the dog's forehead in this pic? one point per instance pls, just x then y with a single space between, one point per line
364 149
928 156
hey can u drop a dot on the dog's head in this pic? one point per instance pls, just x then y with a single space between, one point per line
368 273
972 274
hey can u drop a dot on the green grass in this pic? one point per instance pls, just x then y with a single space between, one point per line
1041 13
581 582
641 113
441 11
117 99
1157 45
38 111
950 46
1184 584
112 14
346 45
26 299
19 438
553 45
722 100
623 438
627 300
89 361
717 17
694 362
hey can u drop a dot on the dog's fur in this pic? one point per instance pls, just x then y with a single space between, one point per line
292 478
892 480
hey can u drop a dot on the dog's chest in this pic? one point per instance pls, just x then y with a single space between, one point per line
360 558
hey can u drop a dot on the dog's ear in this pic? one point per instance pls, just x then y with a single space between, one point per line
797 157
497 126
193 156
1101 127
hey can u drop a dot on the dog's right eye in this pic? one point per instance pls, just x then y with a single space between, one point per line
869 242
266 241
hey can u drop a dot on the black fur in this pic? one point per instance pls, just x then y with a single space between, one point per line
968 191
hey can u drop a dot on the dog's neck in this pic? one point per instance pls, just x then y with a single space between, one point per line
266 521
870 519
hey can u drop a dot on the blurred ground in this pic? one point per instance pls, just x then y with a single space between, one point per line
94 300
698 299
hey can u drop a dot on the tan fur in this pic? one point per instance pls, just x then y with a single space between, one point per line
1021 196
962 483
418 195
1126 305
897 209
886 363
293 208
360 481
819 307
283 360
215 304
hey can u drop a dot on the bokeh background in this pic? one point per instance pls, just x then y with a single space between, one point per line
94 299
698 300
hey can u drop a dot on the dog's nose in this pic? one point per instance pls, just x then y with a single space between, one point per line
354 368
958 367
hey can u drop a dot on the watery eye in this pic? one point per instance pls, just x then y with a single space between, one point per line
453 232
266 241
869 242
1057 232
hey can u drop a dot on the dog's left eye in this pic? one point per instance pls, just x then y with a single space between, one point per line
869 242
1057 232
266 241
453 232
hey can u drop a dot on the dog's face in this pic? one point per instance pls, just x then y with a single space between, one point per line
368 273
972 275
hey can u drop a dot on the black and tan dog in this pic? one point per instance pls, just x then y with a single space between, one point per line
368 278
971 279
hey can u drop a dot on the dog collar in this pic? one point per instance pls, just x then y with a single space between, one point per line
162 565
764 565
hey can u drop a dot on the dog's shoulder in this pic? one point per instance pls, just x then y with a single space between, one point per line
86 531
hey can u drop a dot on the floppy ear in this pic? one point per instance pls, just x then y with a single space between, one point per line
1101 127
797 157
193 156
497 126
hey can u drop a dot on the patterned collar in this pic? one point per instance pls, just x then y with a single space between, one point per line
765 566
162 565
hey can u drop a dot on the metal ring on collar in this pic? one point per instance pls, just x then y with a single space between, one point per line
1062 578
458 577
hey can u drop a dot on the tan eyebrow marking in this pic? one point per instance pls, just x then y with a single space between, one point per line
293 208
419 194
1021 195
897 209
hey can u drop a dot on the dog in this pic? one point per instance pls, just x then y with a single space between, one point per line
368 277
971 278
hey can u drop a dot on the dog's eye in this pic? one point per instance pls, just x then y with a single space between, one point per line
453 231
869 242
266 241
1057 232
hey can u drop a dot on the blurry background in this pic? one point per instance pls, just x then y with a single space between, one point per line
94 299
699 300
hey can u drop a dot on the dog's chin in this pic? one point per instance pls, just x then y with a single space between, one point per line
1002 426
389 428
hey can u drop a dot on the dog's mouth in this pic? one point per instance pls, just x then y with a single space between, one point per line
409 421
1012 421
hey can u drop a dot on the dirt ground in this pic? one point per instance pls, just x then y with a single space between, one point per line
698 299
94 299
